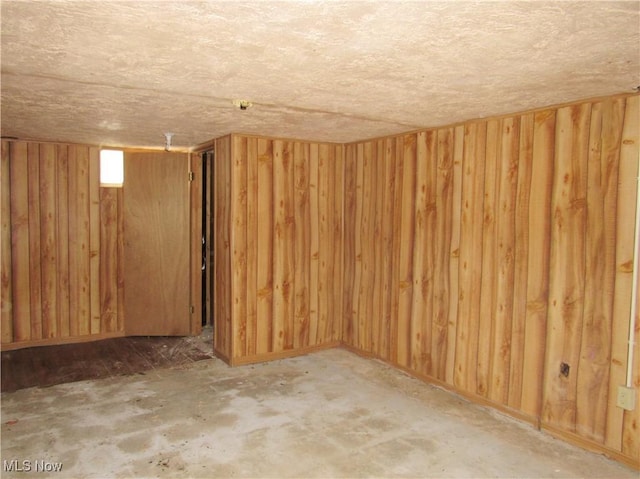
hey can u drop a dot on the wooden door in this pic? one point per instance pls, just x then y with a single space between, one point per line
156 245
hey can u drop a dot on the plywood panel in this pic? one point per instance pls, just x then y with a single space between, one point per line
6 291
35 273
252 245
520 261
595 348
625 208
94 239
505 251
421 271
239 235
326 246
48 246
283 252
82 245
470 261
488 285
314 241
337 205
222 338
441 209
302 244
157 248
539 235
350 205
62 267
567 271
264 308
454 264
630 152
57 271
406 247
109 259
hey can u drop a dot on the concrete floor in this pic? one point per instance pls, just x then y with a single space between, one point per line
329 414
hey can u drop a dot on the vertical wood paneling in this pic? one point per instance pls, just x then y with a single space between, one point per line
252 245
302 245
595 348
387 186
337 165
514 256
419 312
35 273
520 262
627 190
505 250
82 247
264 267
109 259
539 229
62 283
239 243
566 275
6 287
471 222
314 239
359 319
222 338
454 264
326 186
21 272
488 285
62 235
48 247
441 208
283 253
94 239
286 236
351 230
630 149
406 247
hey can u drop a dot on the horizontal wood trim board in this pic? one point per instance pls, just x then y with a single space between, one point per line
260 358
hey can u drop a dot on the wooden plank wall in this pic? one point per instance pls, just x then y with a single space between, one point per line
222 334
283 270
484 256
62 244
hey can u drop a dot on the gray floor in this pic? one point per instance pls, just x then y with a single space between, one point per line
329 414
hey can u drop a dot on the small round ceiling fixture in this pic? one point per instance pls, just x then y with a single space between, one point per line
242 104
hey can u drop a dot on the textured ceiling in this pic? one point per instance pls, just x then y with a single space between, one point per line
123 73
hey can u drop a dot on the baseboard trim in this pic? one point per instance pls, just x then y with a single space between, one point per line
289 353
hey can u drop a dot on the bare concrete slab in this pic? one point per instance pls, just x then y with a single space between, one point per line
330 414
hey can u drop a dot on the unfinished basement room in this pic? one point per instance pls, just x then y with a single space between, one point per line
320 239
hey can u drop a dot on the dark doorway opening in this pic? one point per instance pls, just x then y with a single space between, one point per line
207 238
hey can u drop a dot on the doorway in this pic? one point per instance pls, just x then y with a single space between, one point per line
208 238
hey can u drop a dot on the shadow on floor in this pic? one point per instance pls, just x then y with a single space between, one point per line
50 365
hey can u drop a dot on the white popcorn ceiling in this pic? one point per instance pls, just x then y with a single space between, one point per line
124 73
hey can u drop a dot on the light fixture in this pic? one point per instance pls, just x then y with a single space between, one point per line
111 168
167 144
242 104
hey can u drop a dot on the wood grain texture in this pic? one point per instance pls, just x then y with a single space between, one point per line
157 248
286 239
513 256
222 336
567 270
627 189
6 286
63 284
